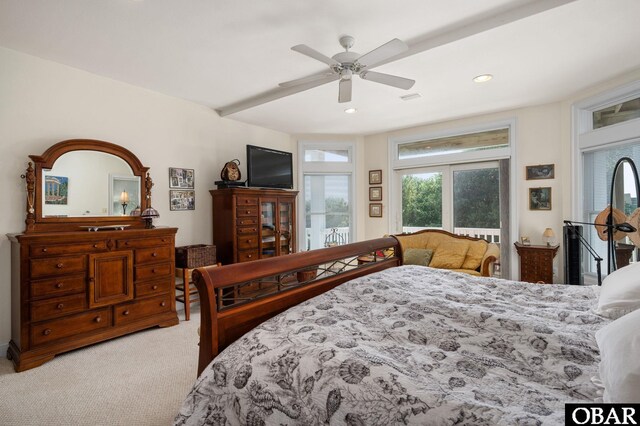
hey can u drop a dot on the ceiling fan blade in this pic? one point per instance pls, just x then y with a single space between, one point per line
307 79
388 79
312 53
382 53
344 91
272 95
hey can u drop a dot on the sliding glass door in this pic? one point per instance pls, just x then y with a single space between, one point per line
463 199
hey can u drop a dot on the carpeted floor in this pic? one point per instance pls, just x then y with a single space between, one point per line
139 379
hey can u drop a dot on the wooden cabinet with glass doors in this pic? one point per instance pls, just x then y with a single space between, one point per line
251 224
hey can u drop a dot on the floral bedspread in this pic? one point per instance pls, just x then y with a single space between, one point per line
409 345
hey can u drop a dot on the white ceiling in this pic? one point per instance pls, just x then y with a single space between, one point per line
219 52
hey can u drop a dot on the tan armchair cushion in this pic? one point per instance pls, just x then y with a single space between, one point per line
476 252
450 254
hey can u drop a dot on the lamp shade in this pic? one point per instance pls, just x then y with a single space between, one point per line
150 213
548 233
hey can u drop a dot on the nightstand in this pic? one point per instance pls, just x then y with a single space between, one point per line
536 263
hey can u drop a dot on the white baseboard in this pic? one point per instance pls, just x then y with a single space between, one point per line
3 349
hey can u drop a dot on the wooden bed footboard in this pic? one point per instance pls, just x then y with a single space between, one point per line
236 298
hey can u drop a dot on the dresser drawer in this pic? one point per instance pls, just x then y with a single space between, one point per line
153 287
58 286
251 230
153 271
246 256
39 250
248 241
246 201
247 221
52 330
53 308
243 211
131 312
58 266
143 242
153 254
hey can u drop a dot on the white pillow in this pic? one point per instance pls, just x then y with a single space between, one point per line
619 343
620 293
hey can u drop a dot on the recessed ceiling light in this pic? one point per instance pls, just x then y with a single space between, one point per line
483 78
350 110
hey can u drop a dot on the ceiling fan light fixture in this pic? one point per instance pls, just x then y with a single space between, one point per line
350 110
346 74
482 78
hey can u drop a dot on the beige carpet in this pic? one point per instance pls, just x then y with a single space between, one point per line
139 379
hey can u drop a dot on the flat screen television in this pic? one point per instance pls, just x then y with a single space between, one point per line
269 168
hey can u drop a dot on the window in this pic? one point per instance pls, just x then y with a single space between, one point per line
606 128
617 113
327 174
455 144
460 181
463 199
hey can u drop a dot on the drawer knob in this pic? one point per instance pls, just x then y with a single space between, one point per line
59 265
126 243
153 271
248 256
60 306
98 319
47 331
155 287
248 211
95 246
249 241
163 303
154 254
59 285
44 250
126 312
164 240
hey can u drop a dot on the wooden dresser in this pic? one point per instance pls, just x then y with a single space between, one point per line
71 289
536 263
251 224
84 270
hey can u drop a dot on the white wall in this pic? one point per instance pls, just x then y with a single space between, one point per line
42 103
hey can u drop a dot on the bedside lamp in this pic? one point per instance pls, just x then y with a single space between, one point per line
548 234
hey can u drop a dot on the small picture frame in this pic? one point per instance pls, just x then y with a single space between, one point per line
375 177
180 199
375 209
540 198
375 193
525 241
181 178
541 171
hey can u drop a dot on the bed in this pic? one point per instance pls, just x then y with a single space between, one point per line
388 344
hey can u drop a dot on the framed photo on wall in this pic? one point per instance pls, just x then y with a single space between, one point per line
540 198
375 193
181 178
182 199
375 209
541 171
375 177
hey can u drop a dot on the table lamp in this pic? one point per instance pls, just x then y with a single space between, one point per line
548 234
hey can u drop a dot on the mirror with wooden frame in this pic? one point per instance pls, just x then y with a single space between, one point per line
85 184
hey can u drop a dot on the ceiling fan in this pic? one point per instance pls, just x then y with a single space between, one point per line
344 65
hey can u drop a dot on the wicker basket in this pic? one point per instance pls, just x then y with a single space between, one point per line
195 256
